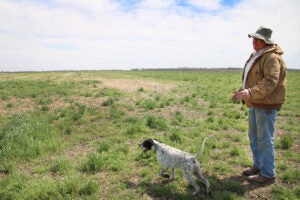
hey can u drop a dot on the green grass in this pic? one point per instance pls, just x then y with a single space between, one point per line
66 135
61 165
110 92
94 163
26 136
35 88
156 122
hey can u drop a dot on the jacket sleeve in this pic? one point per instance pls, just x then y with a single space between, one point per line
271 71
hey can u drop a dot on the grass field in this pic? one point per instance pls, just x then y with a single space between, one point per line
75 135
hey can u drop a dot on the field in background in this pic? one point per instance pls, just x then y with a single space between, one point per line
75 135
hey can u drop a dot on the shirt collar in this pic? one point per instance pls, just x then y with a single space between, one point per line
258 53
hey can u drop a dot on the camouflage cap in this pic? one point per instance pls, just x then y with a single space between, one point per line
264 34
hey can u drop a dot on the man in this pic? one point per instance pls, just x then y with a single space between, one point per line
263 92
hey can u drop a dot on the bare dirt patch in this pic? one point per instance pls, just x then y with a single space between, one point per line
256 191
17 106
132 85
79 150
91 102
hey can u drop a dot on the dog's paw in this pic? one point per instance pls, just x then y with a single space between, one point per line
196 192
165 175
210 194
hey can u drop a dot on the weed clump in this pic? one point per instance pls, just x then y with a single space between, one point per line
147 104
176 136
60 165
89 188
94 163
155 122
291 176
108 102
286 141
235 152
103 147
110 92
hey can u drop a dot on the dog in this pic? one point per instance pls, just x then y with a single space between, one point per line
169 156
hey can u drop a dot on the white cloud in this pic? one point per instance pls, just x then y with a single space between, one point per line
206 4
91 34
156 4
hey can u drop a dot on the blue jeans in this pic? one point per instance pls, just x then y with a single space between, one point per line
261 136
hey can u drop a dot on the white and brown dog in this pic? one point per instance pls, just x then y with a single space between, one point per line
168 156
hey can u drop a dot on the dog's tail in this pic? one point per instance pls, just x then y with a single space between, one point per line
202 149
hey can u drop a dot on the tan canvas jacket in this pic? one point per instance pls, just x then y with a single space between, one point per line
266 79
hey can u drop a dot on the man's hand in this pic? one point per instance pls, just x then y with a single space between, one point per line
241 95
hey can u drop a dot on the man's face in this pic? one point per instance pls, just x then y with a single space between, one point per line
258 44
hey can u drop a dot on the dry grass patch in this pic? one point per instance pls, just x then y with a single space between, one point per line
16 105
90 101
79 151
133 85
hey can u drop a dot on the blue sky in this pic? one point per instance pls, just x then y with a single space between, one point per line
126 34
132 5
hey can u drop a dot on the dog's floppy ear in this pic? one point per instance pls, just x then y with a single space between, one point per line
153 147
147 144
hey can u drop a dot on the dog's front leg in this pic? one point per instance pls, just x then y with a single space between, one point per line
173 173
161 173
